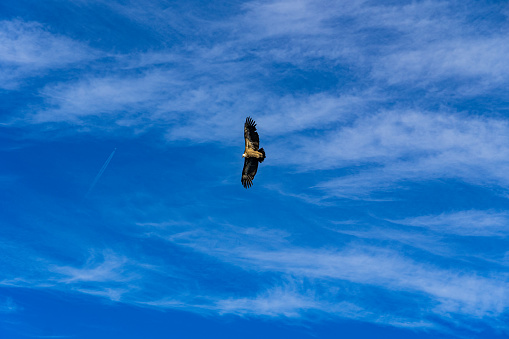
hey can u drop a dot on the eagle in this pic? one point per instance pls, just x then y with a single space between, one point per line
252 155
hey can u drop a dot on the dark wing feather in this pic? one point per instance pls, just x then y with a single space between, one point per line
250 134
249 171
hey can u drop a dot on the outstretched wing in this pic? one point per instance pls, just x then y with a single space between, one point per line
249 171
250 134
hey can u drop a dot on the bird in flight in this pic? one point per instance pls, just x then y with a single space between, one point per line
252 155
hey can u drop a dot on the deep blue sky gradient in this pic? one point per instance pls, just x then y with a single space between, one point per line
380 211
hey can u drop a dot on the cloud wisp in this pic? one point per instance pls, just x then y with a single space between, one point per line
29 49
465 223
399 279
241 69
200 93
392 148
331 276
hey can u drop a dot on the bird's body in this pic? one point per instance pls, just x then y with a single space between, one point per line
249 153
252 153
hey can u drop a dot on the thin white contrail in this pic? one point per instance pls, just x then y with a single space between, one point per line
101 171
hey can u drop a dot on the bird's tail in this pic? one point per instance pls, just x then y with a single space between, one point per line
262 151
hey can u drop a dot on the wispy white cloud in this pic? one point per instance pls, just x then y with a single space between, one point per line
103 97
433 244
111 293
282 18
293 114
398 146
458 291
315 200
465 223
193 91
29 48
277 301
291 301
478 65
166 99
331 280
105 274
111 269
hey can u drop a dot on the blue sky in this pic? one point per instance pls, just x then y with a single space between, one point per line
380 211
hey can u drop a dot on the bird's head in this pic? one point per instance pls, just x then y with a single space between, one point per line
244 155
